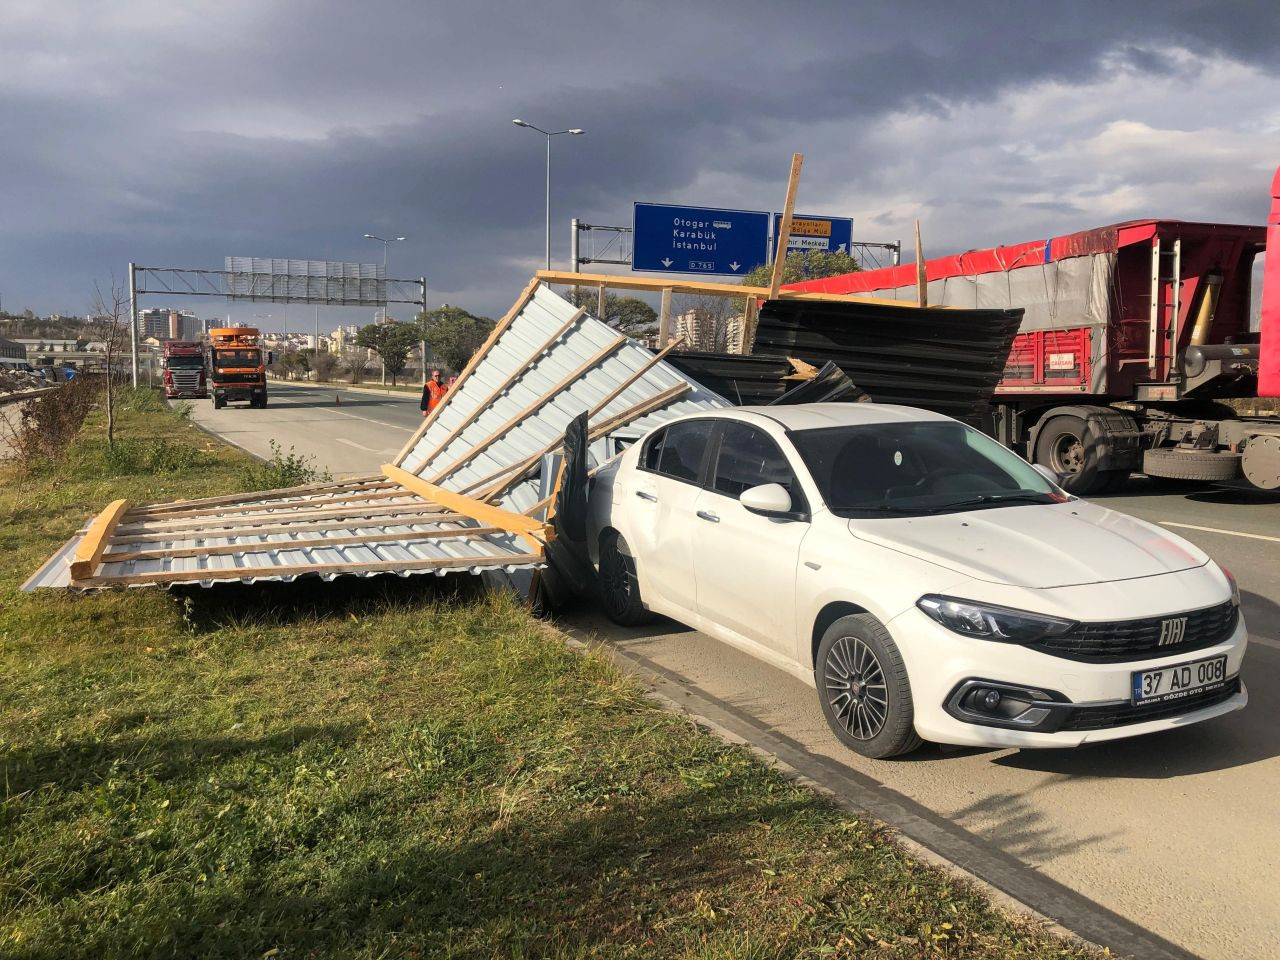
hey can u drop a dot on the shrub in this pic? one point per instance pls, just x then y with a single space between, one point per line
49 422
283 470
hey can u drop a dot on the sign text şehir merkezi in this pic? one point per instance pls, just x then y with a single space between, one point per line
833 234
698 239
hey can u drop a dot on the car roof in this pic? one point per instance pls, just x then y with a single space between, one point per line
815 416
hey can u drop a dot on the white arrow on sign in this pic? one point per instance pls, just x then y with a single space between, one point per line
840 248
735 265
666 262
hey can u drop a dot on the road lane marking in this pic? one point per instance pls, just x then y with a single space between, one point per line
360 446
296 402
1229 533
1265 641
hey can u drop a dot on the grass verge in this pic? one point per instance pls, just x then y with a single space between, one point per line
392 768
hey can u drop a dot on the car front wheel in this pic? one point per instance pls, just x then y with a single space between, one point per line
863 688
619 587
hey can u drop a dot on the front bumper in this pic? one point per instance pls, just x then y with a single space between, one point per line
1082 702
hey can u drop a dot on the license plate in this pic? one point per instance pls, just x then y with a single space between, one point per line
1179 681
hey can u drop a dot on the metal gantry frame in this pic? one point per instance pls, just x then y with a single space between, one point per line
260 287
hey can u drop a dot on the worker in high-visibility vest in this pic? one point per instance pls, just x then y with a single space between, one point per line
433 391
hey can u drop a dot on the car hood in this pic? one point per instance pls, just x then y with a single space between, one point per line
1037 546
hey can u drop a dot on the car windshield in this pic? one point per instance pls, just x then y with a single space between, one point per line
236 358
923 467
184 363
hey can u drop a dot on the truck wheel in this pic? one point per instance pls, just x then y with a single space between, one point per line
1202 465
1066 447
1114 481
619 586
863 688
219 403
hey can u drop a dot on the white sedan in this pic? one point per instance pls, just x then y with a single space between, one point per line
928 582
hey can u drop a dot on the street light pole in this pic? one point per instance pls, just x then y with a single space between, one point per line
574 131
385 241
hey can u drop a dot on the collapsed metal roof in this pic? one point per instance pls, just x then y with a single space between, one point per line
465 494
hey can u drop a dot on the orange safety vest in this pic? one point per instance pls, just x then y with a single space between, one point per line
435 393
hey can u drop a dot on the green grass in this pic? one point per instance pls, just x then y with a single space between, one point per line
392 768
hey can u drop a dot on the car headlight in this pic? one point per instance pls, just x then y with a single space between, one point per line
1235 587
989 622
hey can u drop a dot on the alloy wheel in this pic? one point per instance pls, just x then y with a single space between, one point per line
617 579
856 688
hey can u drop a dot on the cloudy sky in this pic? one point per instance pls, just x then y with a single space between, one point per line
175 133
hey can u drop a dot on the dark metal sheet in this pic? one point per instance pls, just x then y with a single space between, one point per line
945 360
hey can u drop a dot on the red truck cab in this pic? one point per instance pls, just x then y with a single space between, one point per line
184 370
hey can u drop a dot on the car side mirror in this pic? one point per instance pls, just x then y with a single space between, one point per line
1045 472
768 499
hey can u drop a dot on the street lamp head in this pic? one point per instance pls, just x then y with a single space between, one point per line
401 238
370 236
577 132
519 123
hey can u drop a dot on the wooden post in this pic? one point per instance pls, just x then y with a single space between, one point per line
784 230
922 272
89 552
600 303
664 317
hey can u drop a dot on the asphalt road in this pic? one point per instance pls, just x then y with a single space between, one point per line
1165 845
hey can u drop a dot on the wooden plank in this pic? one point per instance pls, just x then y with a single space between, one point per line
352 498
511 477
601 295
521 301
922 273
784 229
626 384
624 282
546 501
283 546
803 370
531 531
377 482
274 573
664 318
391 520
515 375
569 380
296 516
89 550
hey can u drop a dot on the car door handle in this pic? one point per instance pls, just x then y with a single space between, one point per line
645 495
704 515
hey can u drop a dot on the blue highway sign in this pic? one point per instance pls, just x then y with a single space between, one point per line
816 233
698 239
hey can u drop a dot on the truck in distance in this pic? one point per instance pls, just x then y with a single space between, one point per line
238 367
184 370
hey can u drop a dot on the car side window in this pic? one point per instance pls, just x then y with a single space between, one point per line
749 457
678 452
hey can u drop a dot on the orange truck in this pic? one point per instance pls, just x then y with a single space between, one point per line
238 366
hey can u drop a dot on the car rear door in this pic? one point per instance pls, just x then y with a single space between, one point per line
745 563
662 525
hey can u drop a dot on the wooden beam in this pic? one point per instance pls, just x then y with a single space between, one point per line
569 380
531 531
622 388
89 550
664 318
922 273
283 546
499 329
374 483
625 282
784 229
498 391
339 499
275 573
601 296
295 516
222 533
507 478
803 370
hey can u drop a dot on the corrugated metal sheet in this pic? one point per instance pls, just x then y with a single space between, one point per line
944 360
520 398
492 436
747 381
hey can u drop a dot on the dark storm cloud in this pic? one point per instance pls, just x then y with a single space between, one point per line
287 130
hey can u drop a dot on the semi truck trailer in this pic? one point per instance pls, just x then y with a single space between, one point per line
1135 336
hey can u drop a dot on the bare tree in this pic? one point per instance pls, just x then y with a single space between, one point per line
112 314
711 324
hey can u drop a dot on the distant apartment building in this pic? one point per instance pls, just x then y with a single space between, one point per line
709 331
166 324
